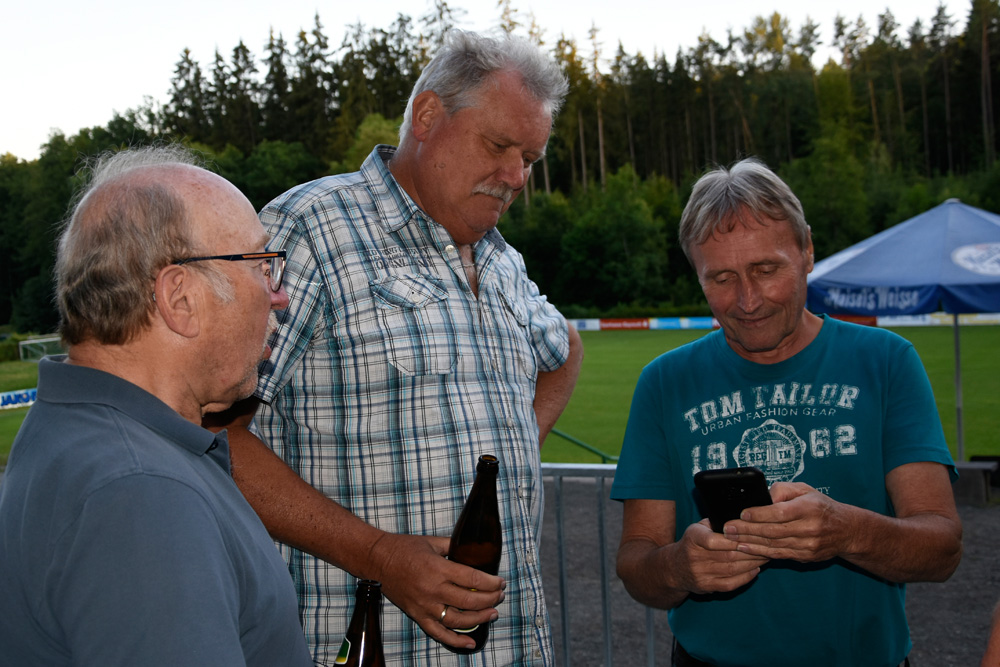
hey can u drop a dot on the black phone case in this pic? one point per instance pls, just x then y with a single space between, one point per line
726 492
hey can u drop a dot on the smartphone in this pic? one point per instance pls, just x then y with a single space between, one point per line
724 493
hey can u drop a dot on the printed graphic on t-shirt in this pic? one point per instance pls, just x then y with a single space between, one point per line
775 427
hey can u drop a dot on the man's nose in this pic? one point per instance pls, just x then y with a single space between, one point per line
513 173
749 296
279 299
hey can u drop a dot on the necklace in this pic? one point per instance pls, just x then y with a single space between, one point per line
467 259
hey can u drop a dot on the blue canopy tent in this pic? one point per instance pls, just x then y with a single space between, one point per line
946 259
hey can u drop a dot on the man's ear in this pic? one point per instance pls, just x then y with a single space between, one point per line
427 110
177 297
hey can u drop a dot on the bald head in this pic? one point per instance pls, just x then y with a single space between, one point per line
131 220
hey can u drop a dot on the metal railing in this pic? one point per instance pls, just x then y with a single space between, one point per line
605 458
598 473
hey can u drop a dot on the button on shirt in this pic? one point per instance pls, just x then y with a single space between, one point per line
389 378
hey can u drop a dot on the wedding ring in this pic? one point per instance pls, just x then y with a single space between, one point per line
443 612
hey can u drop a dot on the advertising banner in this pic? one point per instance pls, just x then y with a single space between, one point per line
21 398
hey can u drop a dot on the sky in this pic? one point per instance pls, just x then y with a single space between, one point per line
67 65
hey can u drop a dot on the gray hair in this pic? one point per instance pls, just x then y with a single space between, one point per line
723 198
121 231
467 61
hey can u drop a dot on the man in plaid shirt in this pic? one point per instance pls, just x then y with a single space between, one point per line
414 342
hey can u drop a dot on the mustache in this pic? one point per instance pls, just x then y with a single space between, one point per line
502 192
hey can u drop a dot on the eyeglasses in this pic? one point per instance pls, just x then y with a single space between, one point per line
274 262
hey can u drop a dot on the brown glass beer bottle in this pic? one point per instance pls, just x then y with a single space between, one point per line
362 646
478 540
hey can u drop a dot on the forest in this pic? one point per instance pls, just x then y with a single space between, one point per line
901 120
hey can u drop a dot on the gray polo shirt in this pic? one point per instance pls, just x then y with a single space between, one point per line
125 541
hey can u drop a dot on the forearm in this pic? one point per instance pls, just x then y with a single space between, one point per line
923 542
641 569
921 547
553 389
415 575
296 513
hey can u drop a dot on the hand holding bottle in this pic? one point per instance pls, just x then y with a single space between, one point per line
418 579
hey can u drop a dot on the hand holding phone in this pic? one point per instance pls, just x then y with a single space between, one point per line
726 492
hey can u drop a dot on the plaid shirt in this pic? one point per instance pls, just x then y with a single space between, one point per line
389 378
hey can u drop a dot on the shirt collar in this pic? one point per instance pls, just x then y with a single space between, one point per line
62 382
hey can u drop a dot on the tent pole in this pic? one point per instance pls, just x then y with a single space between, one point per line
958 390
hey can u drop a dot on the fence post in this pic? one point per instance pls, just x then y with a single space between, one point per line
563 587
605 592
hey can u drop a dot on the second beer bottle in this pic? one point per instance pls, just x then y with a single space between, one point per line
478 539
362 646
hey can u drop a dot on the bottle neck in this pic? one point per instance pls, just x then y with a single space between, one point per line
369 591
488 465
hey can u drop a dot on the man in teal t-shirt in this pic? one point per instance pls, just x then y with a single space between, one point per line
839 417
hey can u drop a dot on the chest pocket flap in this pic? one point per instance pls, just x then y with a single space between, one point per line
407 291
415 322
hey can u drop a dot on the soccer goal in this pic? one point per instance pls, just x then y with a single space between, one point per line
34 349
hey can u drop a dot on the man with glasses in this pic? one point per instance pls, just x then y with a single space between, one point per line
414 341
123 538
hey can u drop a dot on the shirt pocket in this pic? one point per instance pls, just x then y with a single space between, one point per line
517 346
416 324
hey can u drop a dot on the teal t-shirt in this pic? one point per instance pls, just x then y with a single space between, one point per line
838 416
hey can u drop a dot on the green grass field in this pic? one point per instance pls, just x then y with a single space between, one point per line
599 408
14 375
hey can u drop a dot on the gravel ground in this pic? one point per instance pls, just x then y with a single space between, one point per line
949 622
